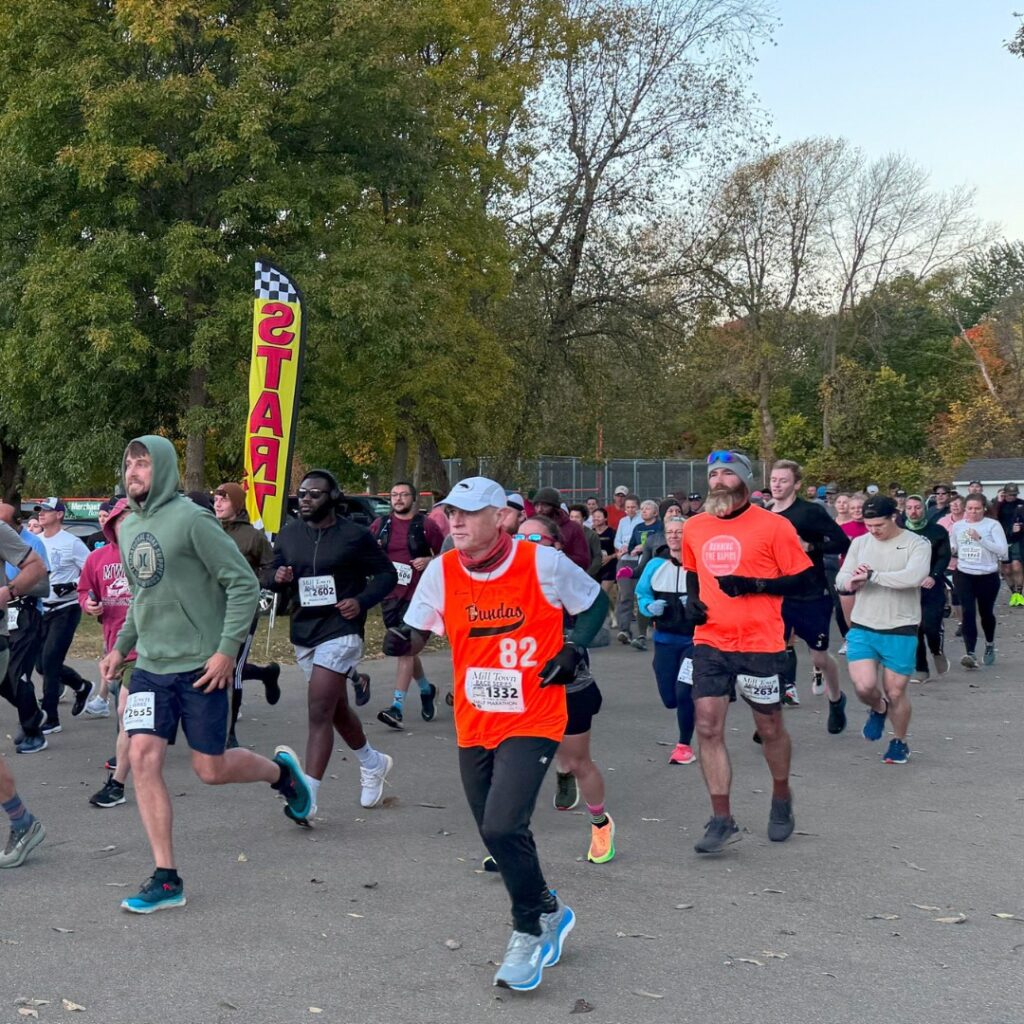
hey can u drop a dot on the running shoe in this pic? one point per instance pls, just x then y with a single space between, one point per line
790 697
638 643
623 637
304 822
21 842
154 896
111 764
556 925
719 833
373 780
682 754
31 745
898 752
523 965
781 821
842 650
941 664
110 795
837 715
361 685
989 657
968 661
427 709
37 726
82 695
489 864
602 842
293 786
50 726
272 686
97 708
567 795
959 630
449 699
1016 600
818 683
391 716
875 725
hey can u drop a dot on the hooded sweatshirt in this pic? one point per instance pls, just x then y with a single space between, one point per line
104 577
193 594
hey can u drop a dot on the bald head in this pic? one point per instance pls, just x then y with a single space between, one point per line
7 514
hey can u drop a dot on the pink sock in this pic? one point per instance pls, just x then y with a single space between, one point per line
596 810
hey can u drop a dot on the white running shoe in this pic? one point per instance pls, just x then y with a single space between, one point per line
97 708
373 780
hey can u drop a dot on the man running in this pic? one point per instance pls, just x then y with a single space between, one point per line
501 604
409 540
335 572
548 502
884 569
193 597
810 617
741 561
1010 513
66 556
29 580
930 633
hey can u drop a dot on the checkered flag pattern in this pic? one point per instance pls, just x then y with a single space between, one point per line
273 285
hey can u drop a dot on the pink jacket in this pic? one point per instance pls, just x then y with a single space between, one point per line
103 575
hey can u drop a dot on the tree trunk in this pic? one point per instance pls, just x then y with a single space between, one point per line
195 436
765 416
12 475
430 474
400 462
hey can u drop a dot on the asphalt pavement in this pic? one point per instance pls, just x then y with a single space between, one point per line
897 900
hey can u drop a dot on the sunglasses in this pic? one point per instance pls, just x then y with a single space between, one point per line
312 492
536 538
722 456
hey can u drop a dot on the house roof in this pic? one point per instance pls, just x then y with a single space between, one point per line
991 471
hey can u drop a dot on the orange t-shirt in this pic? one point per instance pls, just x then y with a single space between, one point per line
502 632
756 543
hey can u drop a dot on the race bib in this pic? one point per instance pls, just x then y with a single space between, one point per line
495 689
686 672
970 553
317 591
139 711
12 619
404 573
759 689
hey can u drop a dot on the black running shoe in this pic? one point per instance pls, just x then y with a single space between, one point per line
82 695
361 685
111 764
837 715
427 699
35 730
391 716
720 832
272 685
110 795
449 699
781 821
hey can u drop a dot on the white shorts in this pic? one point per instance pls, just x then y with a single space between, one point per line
339 655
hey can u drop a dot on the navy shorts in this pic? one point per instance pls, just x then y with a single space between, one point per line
755 675
810 620
392 610
582 705
203 716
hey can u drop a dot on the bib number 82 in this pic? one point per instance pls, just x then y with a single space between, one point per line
520 653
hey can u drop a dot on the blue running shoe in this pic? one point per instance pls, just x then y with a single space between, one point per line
293 786
154 896
875 725
525 959
556 926
898 752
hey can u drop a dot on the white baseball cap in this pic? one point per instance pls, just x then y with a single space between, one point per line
475 493
872 488
621 489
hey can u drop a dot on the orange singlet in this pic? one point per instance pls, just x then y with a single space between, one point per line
502 631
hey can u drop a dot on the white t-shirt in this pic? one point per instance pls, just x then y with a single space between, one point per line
978 557
67 555
562 582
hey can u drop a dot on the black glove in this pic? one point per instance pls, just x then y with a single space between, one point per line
737 586
398 641
561 669
696 611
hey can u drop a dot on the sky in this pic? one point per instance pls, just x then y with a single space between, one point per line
929 79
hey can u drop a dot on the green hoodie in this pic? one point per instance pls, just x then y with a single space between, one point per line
193 594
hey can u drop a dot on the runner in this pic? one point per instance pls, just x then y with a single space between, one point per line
649 526
609 563
854 527
661 595
193 597
740 562
695 505
979 544
627 571
810 617
548 502
25 629
409 540
617 509
229 508
29 580
336 572
104 592
66 556
578 514
884 569
930 634
1009 512
956 513
501 603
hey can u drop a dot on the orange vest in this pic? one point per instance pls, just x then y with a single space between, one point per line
502 632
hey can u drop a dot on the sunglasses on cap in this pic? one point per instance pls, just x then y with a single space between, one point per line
723 456
536 538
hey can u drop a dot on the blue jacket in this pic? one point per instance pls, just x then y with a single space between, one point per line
665 580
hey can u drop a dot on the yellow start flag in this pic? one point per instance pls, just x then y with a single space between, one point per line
278 339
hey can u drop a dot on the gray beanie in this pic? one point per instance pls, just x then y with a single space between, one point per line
735 461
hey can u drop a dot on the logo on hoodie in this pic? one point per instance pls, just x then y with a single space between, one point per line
146 560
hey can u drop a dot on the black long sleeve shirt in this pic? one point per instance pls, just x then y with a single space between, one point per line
821 534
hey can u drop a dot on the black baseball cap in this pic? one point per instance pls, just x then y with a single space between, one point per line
879 506
695 497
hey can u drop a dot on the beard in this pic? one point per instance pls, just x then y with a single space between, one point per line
723 500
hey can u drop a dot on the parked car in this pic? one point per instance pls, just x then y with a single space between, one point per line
360 508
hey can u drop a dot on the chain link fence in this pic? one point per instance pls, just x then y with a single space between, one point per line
579 479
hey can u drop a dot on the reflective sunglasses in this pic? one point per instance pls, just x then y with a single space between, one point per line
314 492
536 538
722 456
